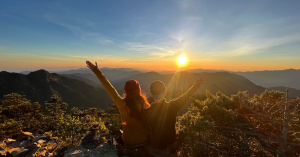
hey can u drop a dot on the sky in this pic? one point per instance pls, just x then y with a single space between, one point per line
213 34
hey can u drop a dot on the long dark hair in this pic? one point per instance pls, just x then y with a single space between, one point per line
136 104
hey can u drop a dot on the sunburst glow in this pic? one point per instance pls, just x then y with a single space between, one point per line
182 60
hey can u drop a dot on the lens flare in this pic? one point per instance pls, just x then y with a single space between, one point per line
182 60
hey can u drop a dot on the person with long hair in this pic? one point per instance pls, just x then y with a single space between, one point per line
131 106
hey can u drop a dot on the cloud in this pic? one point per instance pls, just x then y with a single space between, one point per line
87 22
143 33
105 41
252 38
247 47
78 31
154 50
184 4
187 27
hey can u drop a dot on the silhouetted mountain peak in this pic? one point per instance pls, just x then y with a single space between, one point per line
4 72
223 73
40 85
42 76
152 72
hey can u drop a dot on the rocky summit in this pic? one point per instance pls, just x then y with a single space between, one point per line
27 145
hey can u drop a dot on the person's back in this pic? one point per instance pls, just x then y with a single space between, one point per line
130 107
163 119
134 132
161 115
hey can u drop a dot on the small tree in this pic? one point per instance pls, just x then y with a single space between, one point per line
56 107
9 128
262 125
17 107
70 129
17 111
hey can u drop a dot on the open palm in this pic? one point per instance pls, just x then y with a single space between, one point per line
91 65
202 79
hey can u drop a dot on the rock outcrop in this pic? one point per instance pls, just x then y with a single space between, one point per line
103 150
26 145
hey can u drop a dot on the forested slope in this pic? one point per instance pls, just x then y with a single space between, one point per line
40 85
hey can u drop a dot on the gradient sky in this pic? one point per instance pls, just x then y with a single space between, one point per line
213 34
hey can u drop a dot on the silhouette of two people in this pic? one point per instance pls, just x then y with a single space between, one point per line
138 116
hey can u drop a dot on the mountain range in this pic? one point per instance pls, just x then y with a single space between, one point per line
40 85
220 81
231 83
113 75
83 89
287 78
268 78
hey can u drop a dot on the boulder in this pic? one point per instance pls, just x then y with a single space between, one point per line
24 136
89 137
27 133
18 152
38 138
158 152
51 146
9 141
7 155
90 141
103 150
38 132
25 143
15 144
31 149
2 152
40 141
51 141
43 153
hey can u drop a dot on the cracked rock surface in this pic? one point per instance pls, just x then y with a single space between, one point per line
103 150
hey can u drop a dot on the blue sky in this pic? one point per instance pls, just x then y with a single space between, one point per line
231 35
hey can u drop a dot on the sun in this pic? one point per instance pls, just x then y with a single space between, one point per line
182 60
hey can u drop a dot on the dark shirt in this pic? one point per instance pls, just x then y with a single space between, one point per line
161 118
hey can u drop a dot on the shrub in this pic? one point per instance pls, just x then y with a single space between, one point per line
262 125
17 114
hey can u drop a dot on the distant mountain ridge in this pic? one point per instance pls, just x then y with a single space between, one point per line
225 82
287 78
292 92
40 85
268 78
89 77
80 90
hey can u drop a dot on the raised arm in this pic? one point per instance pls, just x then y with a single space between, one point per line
108 87
177 103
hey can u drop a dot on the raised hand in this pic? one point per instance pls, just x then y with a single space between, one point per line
202 79
91 65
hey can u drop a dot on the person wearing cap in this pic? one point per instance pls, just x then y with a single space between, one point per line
130 106
160 117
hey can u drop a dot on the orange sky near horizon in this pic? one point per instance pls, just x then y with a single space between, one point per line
16 63
153 65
